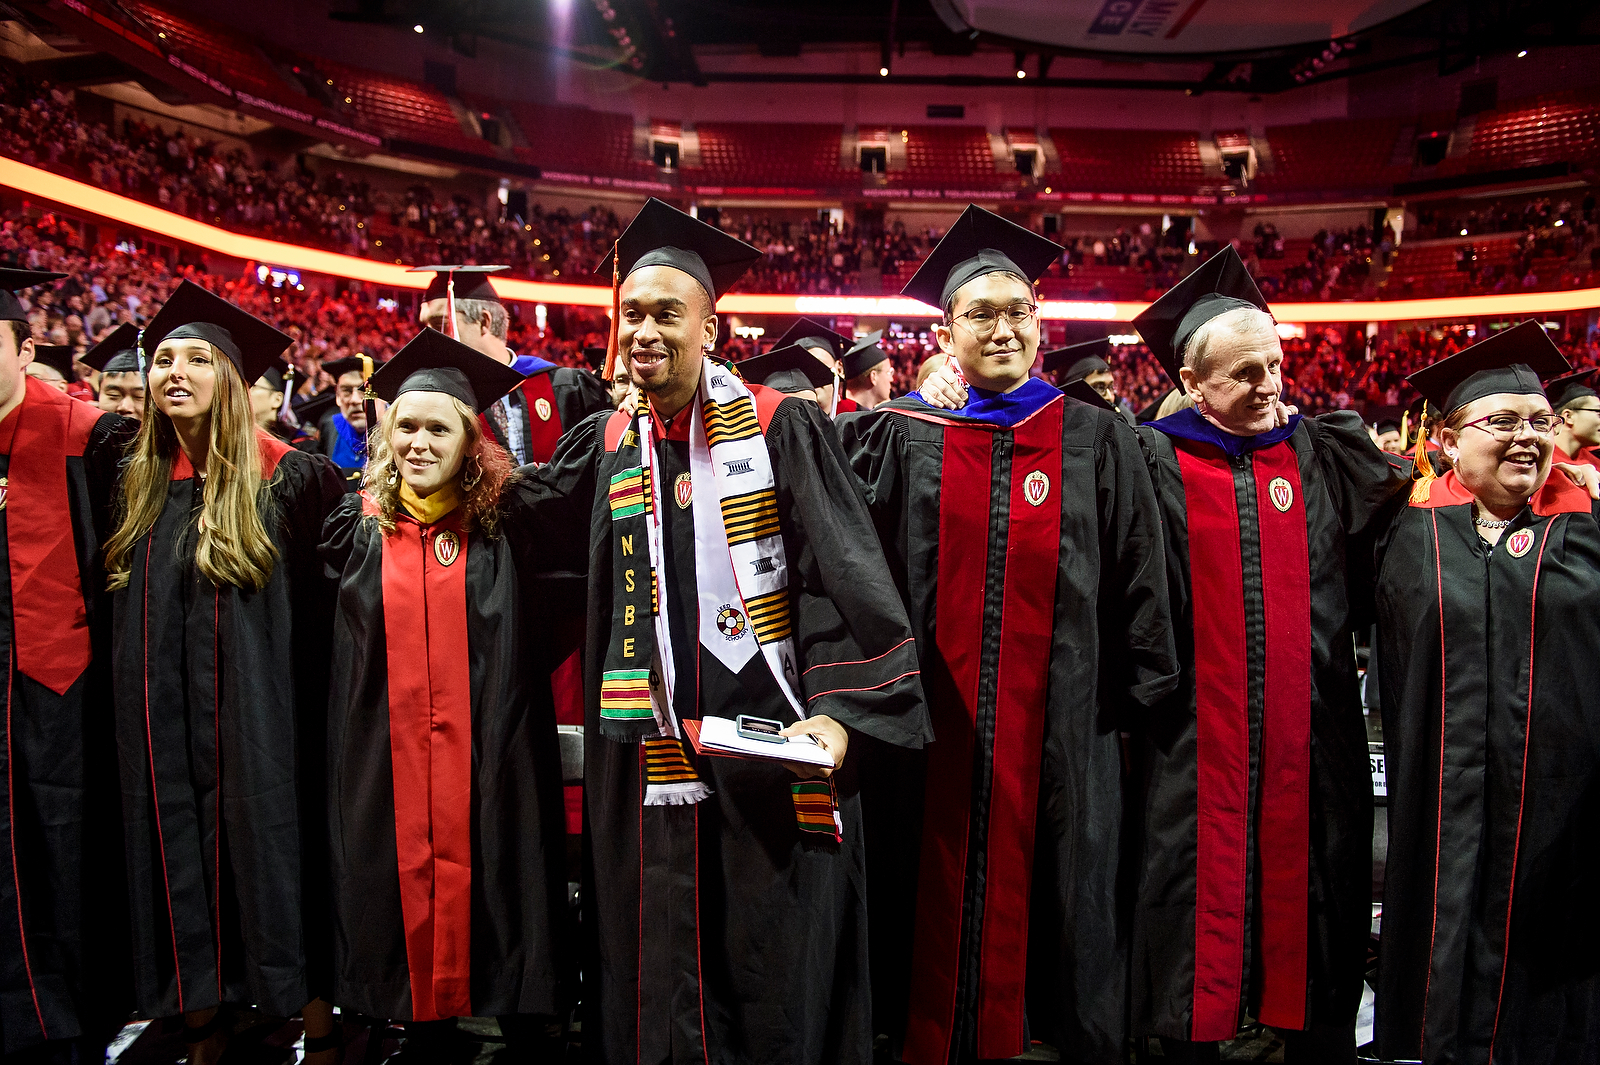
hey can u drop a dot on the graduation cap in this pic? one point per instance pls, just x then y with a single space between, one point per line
788 369
1084 392
313 409
1221 284
662 235
1510 361
1151 409
433 362
864 356
13 281
116 354
595 357
471 282
192 313
1566 390
1387 425
812 334
1079 360
275 376
56 356
337 368
980 242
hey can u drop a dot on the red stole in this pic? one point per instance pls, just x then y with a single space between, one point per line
50 624
542 416
430 745
1222 663
1029 560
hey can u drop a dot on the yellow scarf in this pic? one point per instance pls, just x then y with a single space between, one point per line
430 509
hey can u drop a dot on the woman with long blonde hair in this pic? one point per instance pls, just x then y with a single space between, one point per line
220 669
444 777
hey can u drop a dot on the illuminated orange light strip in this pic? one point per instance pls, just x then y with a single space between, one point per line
109 205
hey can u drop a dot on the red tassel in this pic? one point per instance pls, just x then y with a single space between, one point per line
616 312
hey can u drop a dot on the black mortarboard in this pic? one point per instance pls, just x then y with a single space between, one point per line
1387 425
980 242
1567 390
1220 284
1083 391
273 376
595 357
11 282
116 354
433 362
337 368
788 369
192 313
1151 409
864 356
662 235
1511 361
312 410
1079 360
813 334
472 282
56 356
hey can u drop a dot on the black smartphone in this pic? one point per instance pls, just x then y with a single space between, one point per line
760 728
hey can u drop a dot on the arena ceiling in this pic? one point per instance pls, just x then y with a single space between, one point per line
1240 45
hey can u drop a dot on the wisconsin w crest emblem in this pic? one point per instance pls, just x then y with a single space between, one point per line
1035 487
683 491
1281 493
1518 543
446 547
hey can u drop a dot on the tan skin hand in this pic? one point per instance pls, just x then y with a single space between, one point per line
830 736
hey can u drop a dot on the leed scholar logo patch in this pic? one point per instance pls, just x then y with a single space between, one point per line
1519 543
730 622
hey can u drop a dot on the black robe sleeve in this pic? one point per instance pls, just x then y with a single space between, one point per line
858 658
579 394
1367 491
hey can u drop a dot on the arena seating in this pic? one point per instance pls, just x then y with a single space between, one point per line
395 107
1102 160
1558 127
760 153
576 140
1334 154
218 51
949 155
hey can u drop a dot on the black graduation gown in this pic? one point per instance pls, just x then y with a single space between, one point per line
722 933
63 897
552 400
1266 602
221 700
1030 561
1490 945
508 825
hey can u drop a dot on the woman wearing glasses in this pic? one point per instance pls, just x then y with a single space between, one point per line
1488 635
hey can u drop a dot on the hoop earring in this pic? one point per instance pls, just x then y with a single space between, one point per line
469 483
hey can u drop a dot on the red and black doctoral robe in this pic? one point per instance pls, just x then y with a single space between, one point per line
448 865
1256 889
1024 537
221 699
63 905
1490 942
846 404
721 932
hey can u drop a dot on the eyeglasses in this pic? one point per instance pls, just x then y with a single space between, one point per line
1591 410
983 320
1505 426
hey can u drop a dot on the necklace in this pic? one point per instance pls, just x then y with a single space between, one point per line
1482 524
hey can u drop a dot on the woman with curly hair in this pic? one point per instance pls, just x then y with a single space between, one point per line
445 784
220 666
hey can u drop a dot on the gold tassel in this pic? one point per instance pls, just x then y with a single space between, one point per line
1421 466
616 311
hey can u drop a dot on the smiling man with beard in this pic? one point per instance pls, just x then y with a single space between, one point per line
733 569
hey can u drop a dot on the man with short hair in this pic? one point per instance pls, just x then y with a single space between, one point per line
530 421
1022 531
1575 401
1256 892
829 348
733 570
121 383
342 432
1387 431
64 942
868 372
